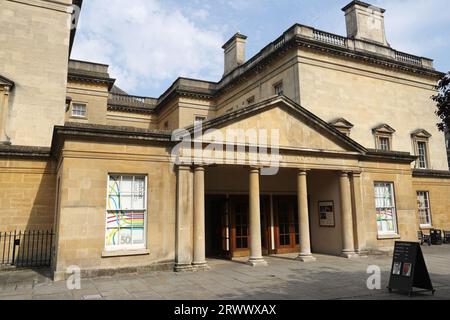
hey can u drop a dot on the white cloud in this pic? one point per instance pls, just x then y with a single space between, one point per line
417 26
146 43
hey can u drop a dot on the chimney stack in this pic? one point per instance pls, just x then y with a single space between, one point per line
234 51
365 22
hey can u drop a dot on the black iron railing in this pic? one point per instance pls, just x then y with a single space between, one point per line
26 249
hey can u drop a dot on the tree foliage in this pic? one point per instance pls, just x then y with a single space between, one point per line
442 98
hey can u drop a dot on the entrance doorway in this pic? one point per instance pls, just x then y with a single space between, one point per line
286 228
228 226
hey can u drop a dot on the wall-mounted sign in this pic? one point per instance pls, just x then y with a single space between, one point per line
326 214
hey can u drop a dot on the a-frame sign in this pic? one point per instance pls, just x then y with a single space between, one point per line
409 270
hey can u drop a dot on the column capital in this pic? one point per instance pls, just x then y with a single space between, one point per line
345 174
303 172
254 169
198 168
356 174
184 167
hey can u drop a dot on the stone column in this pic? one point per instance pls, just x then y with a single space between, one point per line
359 223
256 258
303 214
199 219
348 246
185 219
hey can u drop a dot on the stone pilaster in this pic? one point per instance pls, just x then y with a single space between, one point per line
185 219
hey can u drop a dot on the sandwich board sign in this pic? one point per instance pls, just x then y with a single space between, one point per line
409 270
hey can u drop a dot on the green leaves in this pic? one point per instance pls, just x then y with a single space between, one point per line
442 98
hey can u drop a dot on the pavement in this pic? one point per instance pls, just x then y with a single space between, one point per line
329 278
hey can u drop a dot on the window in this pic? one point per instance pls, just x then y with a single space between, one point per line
385 207
422 153
126 213
79 110
251 100
420 141
278 87
384 144
166 125
384 134
423 202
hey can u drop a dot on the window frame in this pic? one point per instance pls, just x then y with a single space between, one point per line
395 232
73 115
380 139
118 248
423 142
429 212
277 85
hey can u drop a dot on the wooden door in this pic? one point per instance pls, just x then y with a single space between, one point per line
287 238
240 228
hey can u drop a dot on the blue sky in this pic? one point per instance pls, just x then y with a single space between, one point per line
149 43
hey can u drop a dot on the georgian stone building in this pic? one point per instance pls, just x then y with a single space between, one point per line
362 163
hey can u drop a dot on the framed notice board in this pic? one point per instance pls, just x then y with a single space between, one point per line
409 270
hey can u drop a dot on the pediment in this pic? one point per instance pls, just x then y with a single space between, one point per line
384 128
4 82
342 123
421 133
297 128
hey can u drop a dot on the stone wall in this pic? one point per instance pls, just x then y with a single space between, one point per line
439 189
27 194
82 213
36 58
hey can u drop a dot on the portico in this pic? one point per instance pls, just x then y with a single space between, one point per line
255 213
255 221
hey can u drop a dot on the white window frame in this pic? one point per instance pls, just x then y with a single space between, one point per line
394 208
426 209
127 247
79 104
388 143
425 160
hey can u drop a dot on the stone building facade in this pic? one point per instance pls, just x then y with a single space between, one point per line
361 163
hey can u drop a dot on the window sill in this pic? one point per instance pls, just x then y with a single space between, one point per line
426 227
125 253
78 117
389 237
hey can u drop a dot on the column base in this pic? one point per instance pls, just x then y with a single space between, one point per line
306 258
349 255
203 266
184 268
259 262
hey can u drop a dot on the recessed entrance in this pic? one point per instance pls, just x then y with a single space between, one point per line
228 227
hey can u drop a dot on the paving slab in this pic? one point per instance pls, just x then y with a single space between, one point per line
283 279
